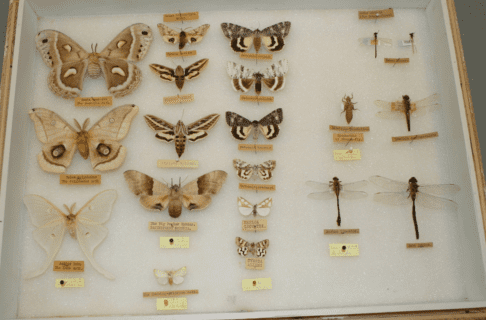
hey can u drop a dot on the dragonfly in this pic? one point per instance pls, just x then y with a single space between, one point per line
408 43
375 41
406 108
406 193
336 189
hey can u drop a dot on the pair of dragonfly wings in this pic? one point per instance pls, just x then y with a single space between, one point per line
346 192
423 106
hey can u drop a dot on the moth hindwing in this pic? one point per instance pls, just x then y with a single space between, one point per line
240 127
257 249
180 75
243 78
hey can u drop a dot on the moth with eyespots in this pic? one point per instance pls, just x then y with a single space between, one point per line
243 78
242 38
241 127
245 171
183 37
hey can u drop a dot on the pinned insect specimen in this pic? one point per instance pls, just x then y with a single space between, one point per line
406 108
406 193
336 189
261 209
183 37
180 75
170 277
375 41
155 195
180 132
242 38
408 43
258 249
244 170
84 225
348 107
241 127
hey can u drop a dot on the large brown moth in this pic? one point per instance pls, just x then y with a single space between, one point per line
243 78
242 38
183 37
100 143
258 249
241 127
180 133
245 170
180 75
155 195
70 63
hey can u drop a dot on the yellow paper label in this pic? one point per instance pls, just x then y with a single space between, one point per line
415 137
80 179
161 294
93 101
69 266
254 225
256 284
257 187
420 245
256 56
255 263
255 147
341 231
349 128
172 226
398 60
348 137
255 98
171 17
70 283
181 164
179 99
165 304
174 242
376 14
343 250
347 155
398 106
175 54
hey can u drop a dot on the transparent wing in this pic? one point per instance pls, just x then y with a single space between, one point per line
322 195
439 189
370 42
432 100
352 195
354 185
383 104
318 185
432 202
389 184
393 115
393 198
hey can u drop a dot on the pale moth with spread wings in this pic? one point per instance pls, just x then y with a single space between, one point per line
241 127
85 225
180 133
243 78
100 143
70 63
241 38
258 249
245 171
170 277
180 74
183 37
261 209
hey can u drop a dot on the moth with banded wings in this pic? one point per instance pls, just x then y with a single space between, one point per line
261 209
245 171
180 133
155 195
243 78
70 63
170 277
180 74
85 225
100 143
258 249
241 127
183 37
406 108
375 41
241 38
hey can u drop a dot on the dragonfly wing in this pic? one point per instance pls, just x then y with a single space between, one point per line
318 185
429 101
393 115
354 185
389 184
393 198
432 202
322 195
383 104
385 42
352 195
439 189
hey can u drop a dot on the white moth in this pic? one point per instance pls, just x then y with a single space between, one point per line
164 277
262 208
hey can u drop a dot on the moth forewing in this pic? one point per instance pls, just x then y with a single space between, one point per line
241 38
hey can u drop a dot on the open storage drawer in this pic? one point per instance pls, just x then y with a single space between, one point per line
325 62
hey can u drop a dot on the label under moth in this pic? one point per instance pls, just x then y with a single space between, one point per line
256 56
175 54
68 266
172 304
93 101
256 284
161 294
255 147
257 187
255 263
343 250
244 97
70 283
181 164
184 98
172 226
174 242
80 179
254 225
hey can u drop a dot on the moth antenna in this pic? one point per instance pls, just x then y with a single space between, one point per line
96 47
182 116
85 124
165 181
67 208
184 178
77 124
72 207
92 49
180 181
180 14
171 182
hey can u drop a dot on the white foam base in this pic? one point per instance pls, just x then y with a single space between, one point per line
325 62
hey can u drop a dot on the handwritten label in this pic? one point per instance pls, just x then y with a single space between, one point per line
254 225
165 304
376 14
398 106
172 226
175 54
181 164
349 128
347 155
343 250
161 294
257 187
70 283
420 245
341 231
171 17
255 263
174 242
93 101
69 266
179 99
255 98
256 284
398 60
256 56
416 137
255 147
348 137
80 179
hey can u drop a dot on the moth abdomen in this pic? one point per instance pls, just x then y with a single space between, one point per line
180 144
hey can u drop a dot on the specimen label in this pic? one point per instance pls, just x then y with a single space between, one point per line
255 147
257 187
171 17
70 283
172 226
80 179
244 97
398 60
347 155
343 250
93 101
349 128
179 99
416 137
256 56
172 304
255 263
256 284
175 54
174 242
341 231
254 225
183 164
68 266
161 294
376 14
420 245
348 137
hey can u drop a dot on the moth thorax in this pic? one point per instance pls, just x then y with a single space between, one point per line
171 281
180 128
255 133
258 82
179 71
82 143
94 68
182 40
254 210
